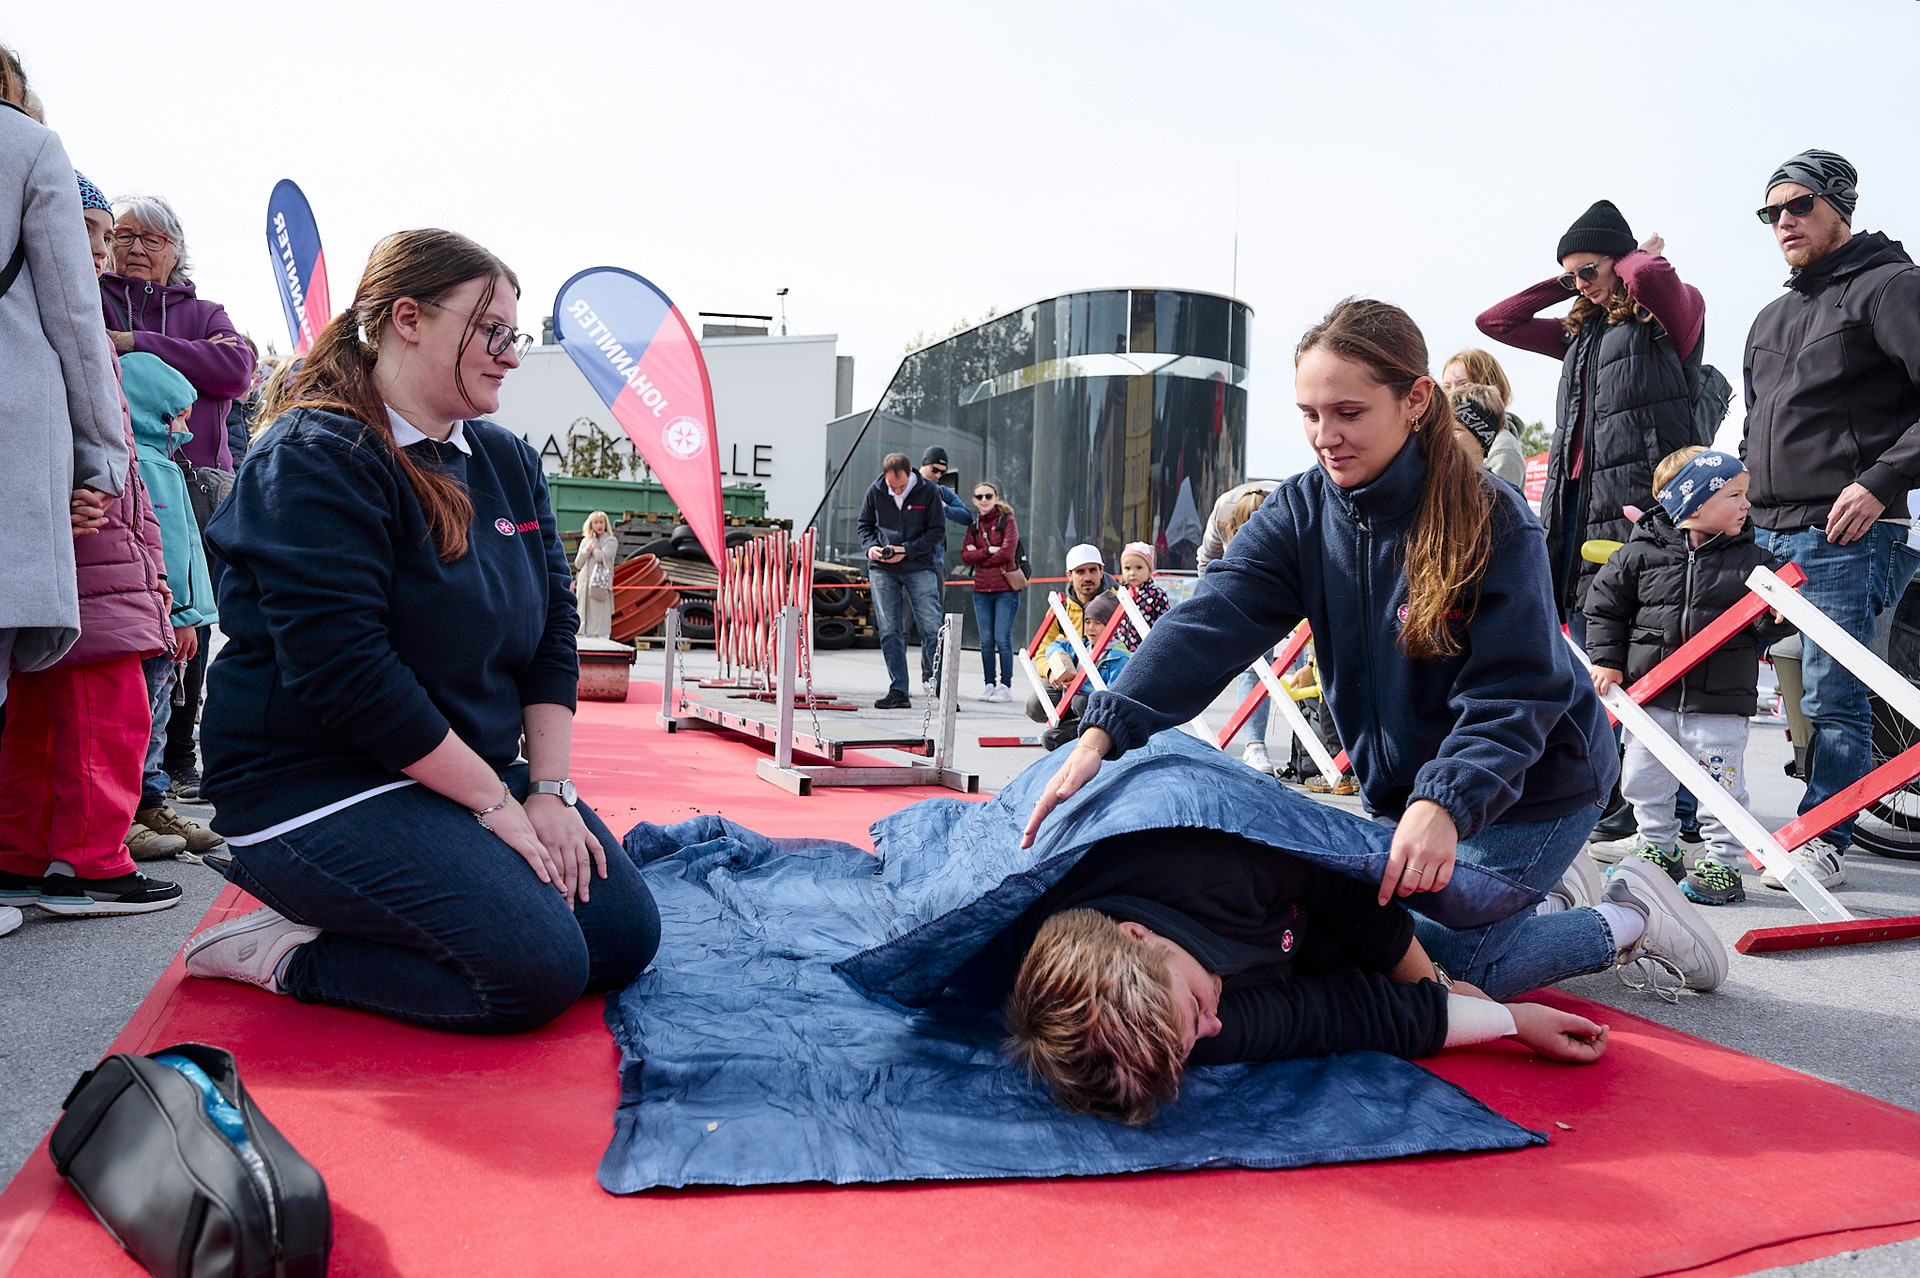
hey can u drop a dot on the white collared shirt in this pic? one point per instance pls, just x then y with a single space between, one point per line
899 498
405 432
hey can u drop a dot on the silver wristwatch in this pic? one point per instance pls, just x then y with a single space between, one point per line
564 789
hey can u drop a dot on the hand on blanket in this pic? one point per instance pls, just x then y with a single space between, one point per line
568 841
1423 851
1083 762
1558 1035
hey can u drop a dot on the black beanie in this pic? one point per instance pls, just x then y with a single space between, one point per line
935 455
1600 229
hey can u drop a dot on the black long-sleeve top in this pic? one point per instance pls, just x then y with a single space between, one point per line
1301 951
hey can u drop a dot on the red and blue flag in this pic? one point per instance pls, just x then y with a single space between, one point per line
638 352
299 265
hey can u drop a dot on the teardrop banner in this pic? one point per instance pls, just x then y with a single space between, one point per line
637 351
299 264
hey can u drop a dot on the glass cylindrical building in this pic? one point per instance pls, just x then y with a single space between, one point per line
1106 417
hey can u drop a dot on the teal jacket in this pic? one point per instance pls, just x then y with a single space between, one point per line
155 395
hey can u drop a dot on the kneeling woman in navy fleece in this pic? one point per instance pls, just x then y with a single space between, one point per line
398 612
1466 719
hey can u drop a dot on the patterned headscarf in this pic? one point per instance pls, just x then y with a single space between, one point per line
1697 481
90 197
1827 175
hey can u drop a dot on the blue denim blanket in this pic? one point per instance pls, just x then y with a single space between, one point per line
808 1017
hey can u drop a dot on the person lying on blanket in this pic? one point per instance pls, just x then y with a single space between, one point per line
1169 948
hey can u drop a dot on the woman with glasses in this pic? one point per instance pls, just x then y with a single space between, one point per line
399 612
993 548
151 306
1629 354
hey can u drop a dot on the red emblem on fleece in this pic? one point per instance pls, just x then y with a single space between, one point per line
504 527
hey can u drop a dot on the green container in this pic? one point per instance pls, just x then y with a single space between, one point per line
575 499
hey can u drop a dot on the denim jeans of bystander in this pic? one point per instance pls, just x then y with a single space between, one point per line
1853 584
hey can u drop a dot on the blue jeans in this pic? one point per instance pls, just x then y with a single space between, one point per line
429 918
893 594
1256 724
154 781
1524 951
994 611
1853 584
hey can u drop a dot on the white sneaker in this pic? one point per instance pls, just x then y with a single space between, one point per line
1001 692
1676 938
10 918
1611 850
987 694
1580 886
1255 757
1826 864
248 948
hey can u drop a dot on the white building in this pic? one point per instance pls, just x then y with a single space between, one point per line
772 399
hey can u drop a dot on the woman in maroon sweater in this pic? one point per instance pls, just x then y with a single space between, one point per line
1630 370
993 547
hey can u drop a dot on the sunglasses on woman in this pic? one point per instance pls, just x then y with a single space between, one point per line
983 496
1572 280
1799 206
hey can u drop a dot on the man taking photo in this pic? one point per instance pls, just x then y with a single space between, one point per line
1833 442
902 525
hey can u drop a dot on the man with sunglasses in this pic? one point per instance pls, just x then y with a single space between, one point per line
1833 443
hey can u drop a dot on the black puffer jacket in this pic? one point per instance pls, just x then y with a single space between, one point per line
1637 394
1833 385
1657 592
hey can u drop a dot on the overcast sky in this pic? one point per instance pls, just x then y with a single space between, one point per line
900 167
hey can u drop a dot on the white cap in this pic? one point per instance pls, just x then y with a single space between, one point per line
1083 554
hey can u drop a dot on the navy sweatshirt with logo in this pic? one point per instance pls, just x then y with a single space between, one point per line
1508 731
351 648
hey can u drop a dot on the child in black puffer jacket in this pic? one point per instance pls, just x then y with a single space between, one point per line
1687 563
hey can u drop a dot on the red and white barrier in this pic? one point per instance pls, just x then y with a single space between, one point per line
759 579
1768 849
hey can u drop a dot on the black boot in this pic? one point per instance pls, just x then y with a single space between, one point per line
1616 822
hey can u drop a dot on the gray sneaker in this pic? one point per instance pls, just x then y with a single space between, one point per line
1610 850
1677 940
1820 859
1581 885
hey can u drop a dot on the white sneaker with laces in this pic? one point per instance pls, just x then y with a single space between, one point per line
10 918
987 694
1820 859
1255 757
1001 692
1676 938
247 949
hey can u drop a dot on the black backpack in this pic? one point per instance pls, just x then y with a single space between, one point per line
170 1154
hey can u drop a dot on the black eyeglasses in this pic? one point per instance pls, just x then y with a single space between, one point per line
153 241
1572 280
983 496
1799 206
499 336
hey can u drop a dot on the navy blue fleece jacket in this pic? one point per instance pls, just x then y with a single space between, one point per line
916 524
351 649
1507 732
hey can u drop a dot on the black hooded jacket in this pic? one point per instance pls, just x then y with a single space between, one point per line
1658 591
1833 385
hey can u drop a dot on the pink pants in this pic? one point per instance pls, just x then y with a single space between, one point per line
70 763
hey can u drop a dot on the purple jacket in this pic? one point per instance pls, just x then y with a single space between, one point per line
167 320
122 612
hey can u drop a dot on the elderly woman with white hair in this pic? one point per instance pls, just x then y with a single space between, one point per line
151 306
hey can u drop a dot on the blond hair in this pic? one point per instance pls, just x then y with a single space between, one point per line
1242 511
276 391
1483 396
1619 309
1670 465
1482 369
1092 1014
586 529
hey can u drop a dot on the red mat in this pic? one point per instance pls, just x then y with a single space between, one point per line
447 1154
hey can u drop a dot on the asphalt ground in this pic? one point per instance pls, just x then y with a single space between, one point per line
1850 1015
